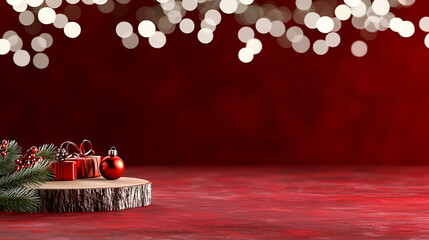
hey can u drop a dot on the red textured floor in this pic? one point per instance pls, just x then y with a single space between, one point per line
253 202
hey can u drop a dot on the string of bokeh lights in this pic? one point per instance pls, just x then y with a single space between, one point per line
156 22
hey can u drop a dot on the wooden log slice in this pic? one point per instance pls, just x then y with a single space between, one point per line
94 195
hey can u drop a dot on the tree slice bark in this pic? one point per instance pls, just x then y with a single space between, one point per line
94 195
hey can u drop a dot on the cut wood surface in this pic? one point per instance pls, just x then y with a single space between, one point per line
94 195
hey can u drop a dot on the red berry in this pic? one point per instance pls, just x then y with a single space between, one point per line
39 159
4 142
3 146
34 149
28 157
26 165
17 168
33 156
18 161
3 153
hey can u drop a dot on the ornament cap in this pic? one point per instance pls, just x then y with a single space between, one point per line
113 152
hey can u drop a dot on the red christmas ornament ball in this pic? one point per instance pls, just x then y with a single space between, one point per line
3 153
34 149
112 167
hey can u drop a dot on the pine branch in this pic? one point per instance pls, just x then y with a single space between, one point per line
19 199
31 176
7 164
16 192
47 152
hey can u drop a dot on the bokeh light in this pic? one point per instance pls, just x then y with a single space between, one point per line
47 15
131 42
157 40
72 29
61 21
39 44
146 28
53 3
187 25
406 29
263 25
359 48
255 45
380 7
303 4
424 24
124 29
245 34
310 20
333 39
427 40
302 45
325 24
4 46
189 5
34 3
228 6
205 35
21 58
214 15
352 3
295 34
343 12
277 28
291 26
26 18
41 61
245 55
320 47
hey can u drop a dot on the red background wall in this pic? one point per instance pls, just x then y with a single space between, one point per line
190 103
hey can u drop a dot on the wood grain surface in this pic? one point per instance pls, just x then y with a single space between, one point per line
94 195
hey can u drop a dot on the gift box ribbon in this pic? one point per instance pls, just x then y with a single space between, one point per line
63 155
80 150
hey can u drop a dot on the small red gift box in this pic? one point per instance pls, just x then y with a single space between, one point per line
66 170
88 166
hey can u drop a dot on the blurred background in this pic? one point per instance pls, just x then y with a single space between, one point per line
190 103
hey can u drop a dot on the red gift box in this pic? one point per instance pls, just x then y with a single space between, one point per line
66 170
88 166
